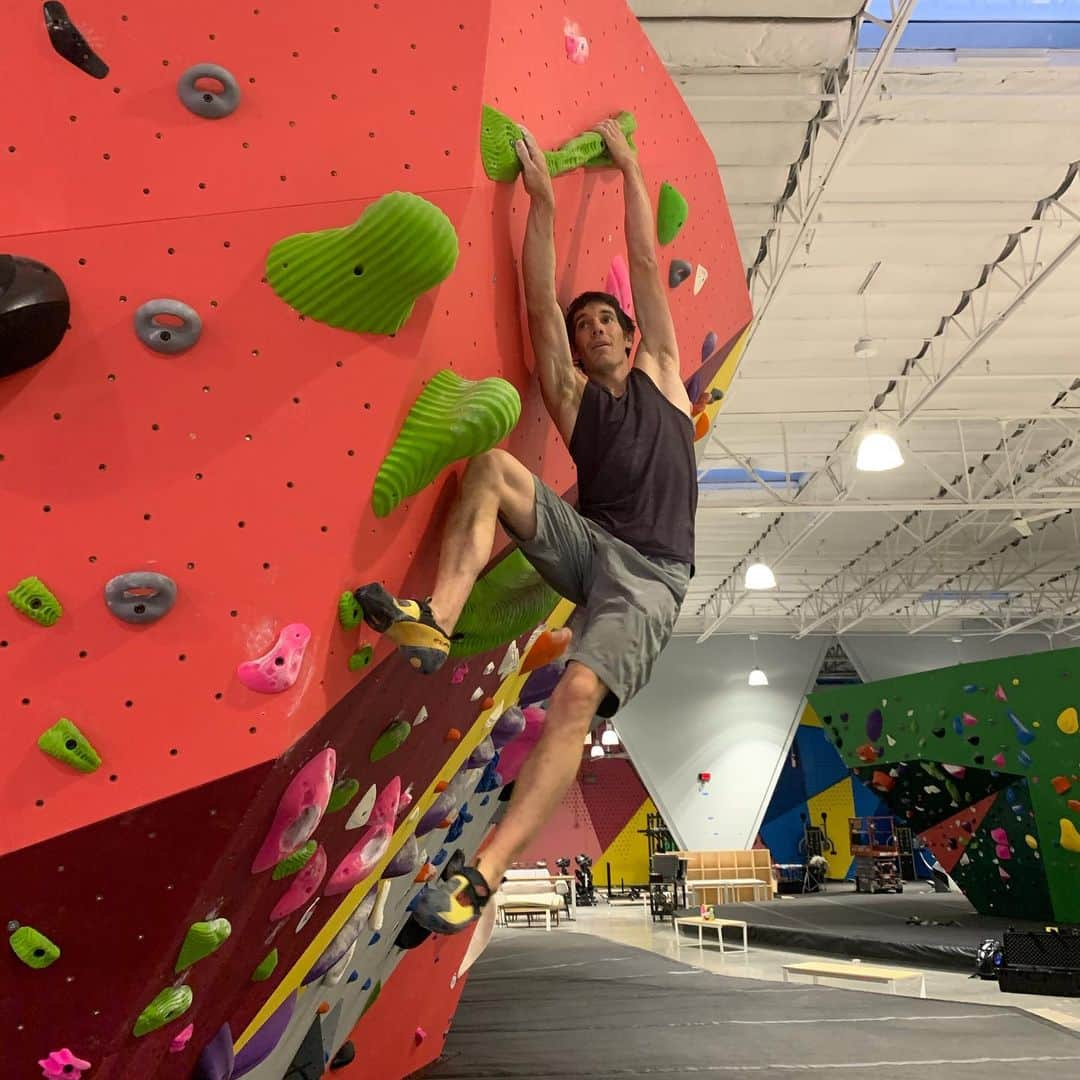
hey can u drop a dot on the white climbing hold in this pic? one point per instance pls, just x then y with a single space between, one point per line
890 740
306 917
510 661
700 277
362 811
337 972
489 668
382 891
421 716
477 694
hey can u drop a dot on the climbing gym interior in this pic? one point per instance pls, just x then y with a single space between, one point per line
261 301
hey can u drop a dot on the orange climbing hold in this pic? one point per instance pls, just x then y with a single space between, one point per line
324 1007
867 753
1061 784
453 735
701 426
487 703
882 781
544 651
425 872
442 785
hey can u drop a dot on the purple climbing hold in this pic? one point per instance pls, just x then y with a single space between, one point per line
216 1059
508 727
406 861
262 1043
874 724
708 346
484 752
440 810
541 684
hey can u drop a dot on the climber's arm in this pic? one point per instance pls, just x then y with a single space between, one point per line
561 384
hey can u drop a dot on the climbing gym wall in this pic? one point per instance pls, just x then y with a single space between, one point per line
816 787
599 816
982 759
241 244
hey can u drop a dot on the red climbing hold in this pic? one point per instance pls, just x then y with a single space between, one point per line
546 649
866 753
453 735
1061 784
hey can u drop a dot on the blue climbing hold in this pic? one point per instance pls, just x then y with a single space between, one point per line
375 938
1024 758
958 725
353 976
440 858
367 985
1023 736
485 800
708 346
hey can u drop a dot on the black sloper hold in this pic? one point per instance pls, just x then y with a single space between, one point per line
34 310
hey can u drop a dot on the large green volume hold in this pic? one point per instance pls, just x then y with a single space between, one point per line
366 276
498 133
453 418
510 599
672 210
65 742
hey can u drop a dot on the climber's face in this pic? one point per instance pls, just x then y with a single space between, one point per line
599 342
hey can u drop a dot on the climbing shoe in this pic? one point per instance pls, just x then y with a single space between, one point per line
407 623
450 905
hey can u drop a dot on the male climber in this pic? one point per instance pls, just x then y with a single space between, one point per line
623 556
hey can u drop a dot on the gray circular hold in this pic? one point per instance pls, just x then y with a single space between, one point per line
164 337
209 104
141 596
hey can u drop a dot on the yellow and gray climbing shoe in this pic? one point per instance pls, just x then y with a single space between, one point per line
407 623
445 907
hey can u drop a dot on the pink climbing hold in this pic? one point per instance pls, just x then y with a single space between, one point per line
299 811
969 720
373 843
959 771
1004 874
999 835
999 759
181 1040
1004 851
618 284
63 1063
577 52
280 667
457 676
999 693
419 1035
405 801
303 886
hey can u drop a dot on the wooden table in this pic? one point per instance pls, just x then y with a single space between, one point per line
858 972
701 923
761 888
527 913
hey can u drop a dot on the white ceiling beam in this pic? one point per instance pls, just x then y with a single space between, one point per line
708 502
851 103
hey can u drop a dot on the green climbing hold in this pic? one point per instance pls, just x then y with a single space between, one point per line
453 418
33 598
372 997
391 739
349 612
509 600
342 794
201 940
65 742
671 213
361 658
366 276
266 967
33 948
294 862
172 1002
498 134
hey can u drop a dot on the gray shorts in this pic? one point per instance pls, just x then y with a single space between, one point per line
627 602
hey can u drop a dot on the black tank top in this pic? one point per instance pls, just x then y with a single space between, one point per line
637 477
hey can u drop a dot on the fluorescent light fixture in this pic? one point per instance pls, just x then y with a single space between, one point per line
596 751
878 452
609 737
759 576
758 678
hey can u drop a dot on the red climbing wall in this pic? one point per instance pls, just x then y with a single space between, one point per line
243 468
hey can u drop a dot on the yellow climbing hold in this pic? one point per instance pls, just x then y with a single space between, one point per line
1070 838
1031 841
1068 722
1016 682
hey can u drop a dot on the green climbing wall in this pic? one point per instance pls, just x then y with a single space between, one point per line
983 761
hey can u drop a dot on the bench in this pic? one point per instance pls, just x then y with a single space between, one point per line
513 914
856 971
701 923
